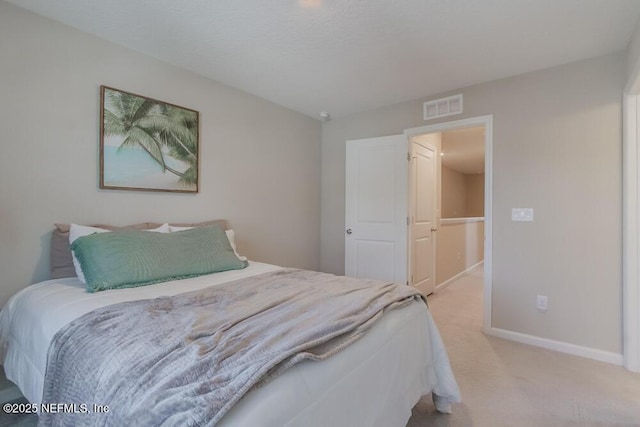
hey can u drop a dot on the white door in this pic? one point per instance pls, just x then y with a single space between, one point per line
423 216
376 208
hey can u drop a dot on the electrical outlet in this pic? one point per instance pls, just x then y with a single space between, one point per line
542 303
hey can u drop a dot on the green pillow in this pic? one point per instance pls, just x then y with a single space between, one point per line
130 258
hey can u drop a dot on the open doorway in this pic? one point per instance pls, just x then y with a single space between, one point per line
460 239
388 230
461 227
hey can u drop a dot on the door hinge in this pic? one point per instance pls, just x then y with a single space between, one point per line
408 157
408 221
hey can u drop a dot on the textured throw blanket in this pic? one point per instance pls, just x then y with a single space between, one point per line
186 360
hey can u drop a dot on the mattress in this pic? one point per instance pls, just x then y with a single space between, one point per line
374 382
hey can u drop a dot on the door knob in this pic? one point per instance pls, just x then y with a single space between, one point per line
434 229
349 231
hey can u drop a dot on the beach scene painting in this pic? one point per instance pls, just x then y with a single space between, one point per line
146 144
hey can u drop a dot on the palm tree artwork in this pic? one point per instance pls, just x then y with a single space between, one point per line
147 144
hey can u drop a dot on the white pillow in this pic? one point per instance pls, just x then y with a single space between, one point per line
76 231
232 239
164 228
230 235
173 228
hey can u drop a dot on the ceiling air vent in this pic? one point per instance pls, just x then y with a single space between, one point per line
443 107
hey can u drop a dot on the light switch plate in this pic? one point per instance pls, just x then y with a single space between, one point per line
542 303
522 214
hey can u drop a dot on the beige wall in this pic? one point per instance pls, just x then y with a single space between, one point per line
259 162
557 149
633 52
474 186
460 245
462 194
453 192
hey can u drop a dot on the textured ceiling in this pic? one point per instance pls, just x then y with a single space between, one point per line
348 56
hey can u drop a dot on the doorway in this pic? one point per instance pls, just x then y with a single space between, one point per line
486 123
460 245
380 239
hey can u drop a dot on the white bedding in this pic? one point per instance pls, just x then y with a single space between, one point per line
374 382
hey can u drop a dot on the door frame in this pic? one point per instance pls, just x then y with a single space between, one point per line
631 222
487 122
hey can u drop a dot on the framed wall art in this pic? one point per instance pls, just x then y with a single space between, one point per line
146 144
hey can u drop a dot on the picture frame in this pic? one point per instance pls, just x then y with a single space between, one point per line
147 144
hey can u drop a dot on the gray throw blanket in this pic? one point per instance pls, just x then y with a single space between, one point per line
186 360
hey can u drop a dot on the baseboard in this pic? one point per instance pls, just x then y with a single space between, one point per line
457 276
563 347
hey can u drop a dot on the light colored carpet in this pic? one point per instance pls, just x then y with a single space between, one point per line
504 383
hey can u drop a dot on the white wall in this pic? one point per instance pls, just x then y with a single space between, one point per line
259 162
557 149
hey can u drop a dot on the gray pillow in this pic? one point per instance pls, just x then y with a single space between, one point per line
222 223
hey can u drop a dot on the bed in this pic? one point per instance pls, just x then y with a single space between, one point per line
373 381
